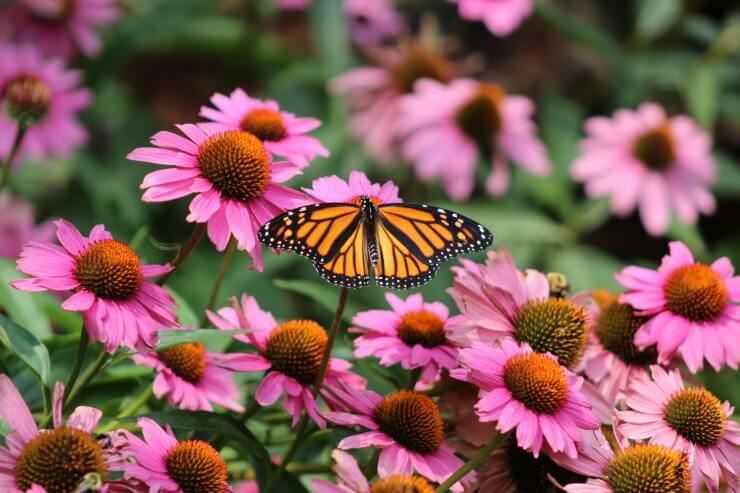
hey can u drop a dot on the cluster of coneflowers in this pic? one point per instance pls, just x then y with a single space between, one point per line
524 389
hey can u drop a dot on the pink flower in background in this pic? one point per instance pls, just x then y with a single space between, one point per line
232 175
334 189
529 392
46 93
690 420
25 465
694 308
463 121
248 486
290 353
293 4
411 333
192 377
119 306
612 361
406 426
646 160
17 226
166 465
352 480
501 17
61 27
373 94
372 21
281 133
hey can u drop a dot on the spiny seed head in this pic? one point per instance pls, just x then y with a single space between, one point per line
401 484
616 329
187 361
655 148
411 419
421 327
26 98
697 415
58 460
532 475
196 467
419 63
649 469
537 381
480 118
295 348
695 292
236 163
264 123
557 326
110 269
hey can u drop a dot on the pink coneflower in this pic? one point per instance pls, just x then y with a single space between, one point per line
406 426
635 468
248 486
334 189
499 302
45 95
352 480
457 123
281 133
645 159
528 391
612 361
233 175
17 226
690 420
501 17
192 377
374 93
693 307
61 27
372 21
168 466
290 353
411 333
119 306
41 461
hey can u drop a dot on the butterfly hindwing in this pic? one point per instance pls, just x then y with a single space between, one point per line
350 267
398 265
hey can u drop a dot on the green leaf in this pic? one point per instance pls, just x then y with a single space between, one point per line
585 267
20 305
728 182
4 428
210 337
185 312
323 294
691 236
27 347
701 92
655 17
236 434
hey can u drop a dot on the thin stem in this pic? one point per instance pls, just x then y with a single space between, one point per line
130 409
187 248
81 351
298 468
300 434
482 455
413 379
252 408
8 163
343 295
225 263
87 377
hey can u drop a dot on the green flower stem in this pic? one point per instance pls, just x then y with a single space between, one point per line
81 351
300 435
87 377
251 409
131 409
225 263
298 468
190 244
482 455
341 305
8 163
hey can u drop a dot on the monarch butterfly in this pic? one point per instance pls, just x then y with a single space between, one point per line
403 244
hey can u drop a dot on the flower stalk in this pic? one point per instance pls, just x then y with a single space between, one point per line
477 460
192 242
8 163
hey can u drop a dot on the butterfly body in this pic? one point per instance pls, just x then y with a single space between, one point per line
401 245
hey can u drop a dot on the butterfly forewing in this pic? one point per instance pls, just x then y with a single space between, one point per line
350 267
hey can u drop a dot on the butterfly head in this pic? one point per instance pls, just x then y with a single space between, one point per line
368 206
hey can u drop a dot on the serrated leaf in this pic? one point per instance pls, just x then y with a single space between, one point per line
20 305
27 347
209 337
236 434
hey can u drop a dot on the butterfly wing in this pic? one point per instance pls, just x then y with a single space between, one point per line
331 235
413 240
